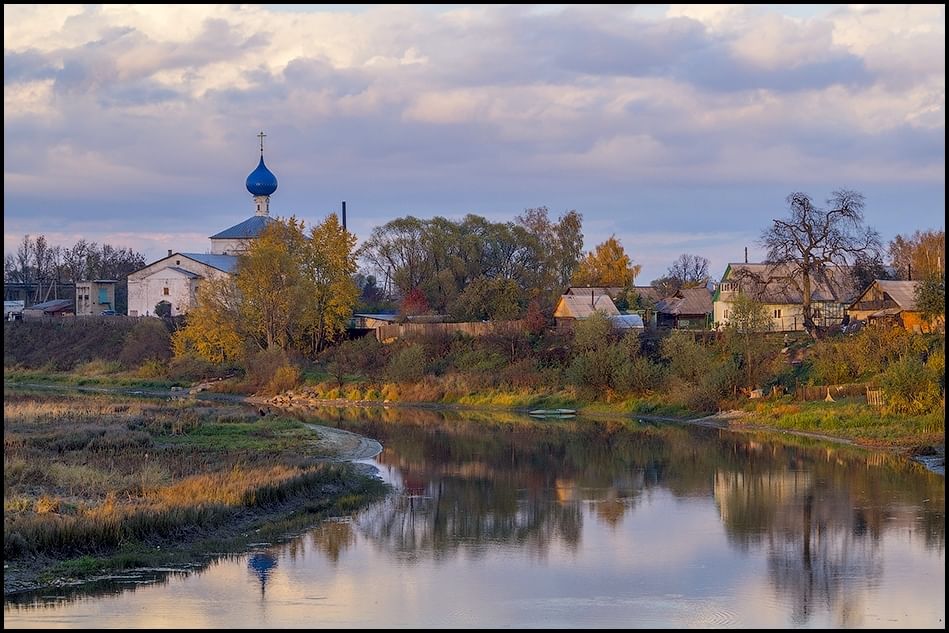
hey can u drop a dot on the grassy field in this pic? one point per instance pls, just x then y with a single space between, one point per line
850 419
94 482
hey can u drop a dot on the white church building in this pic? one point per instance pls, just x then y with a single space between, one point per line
170 284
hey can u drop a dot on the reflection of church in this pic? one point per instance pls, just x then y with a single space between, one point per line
170 284
261 564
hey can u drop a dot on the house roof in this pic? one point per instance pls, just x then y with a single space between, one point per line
647 292
687 301
586 291
56 305
227 263
249 228
776 283
901 292
580 307
627 321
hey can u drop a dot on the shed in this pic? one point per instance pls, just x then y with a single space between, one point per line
54 308
889 302
689 308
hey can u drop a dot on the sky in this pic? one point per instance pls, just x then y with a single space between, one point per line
676 128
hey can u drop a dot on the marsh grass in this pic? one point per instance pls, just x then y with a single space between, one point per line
87 474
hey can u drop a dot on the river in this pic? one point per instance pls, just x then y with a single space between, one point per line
498 520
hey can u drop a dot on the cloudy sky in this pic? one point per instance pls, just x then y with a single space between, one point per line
676 128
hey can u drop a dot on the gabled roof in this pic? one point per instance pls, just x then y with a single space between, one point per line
687 301
227 263
775 283
586 291
581 307
902 293
249 228
647 292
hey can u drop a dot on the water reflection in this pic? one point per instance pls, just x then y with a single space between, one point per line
504 520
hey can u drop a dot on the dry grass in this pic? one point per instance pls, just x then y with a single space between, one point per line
83 474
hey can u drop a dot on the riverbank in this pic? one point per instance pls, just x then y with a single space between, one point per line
94 485
846 420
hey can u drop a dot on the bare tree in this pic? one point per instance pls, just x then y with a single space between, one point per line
812 240
691 270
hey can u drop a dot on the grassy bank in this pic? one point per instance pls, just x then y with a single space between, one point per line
849 420
93 483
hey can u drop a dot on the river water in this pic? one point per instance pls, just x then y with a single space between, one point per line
502 521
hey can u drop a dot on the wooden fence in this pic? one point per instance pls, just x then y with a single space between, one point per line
389 333
820 392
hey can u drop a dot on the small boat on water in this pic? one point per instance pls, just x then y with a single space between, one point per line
553 413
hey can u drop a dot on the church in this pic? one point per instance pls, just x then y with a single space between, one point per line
169 285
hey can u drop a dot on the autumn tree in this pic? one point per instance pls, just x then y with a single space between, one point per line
269 278
213 329
607 266
292 291
919 255
328 292
811 240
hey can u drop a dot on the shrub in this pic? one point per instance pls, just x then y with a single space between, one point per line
407 365
910 387
148 340
284 378
263 367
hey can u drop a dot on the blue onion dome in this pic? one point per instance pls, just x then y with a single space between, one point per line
261 181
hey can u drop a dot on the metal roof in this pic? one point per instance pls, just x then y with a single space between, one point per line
581 307
249 228
227 263
903 293
687 301
775 283
56 305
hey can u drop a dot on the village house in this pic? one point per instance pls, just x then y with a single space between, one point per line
573 307
777 287
886 302
689 308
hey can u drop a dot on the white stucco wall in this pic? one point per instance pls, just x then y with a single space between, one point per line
146 286
228 247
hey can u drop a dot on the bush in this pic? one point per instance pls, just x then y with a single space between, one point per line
263 369
910 387
148 340
285 378
407 365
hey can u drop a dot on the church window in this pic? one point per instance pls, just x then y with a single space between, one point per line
165 290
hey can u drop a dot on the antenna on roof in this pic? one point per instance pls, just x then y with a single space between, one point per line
746 254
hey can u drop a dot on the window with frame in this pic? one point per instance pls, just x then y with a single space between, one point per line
777 313
164 291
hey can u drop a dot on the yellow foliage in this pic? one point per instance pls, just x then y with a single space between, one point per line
608 265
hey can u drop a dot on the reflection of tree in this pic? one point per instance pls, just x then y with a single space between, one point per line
332 537
455 514
819 547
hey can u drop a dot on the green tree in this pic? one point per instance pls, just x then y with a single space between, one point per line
607 266
931 298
